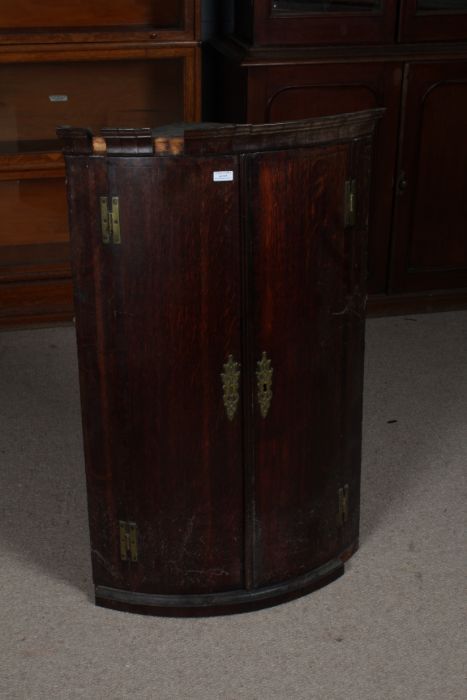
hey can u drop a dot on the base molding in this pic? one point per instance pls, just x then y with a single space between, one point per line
416 303
226 603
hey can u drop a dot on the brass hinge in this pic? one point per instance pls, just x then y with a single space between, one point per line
350 203
110 220
128 541
343 512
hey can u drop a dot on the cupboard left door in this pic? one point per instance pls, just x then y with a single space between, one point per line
164 342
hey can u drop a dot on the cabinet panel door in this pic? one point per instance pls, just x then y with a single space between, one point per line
36 97
314 22
430 250
171 306
281 93
93 299
433 20
307 313
104 20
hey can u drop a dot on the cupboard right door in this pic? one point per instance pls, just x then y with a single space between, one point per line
430 222
308 22
433 20
305 336
284 93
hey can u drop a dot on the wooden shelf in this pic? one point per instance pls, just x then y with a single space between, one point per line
131 63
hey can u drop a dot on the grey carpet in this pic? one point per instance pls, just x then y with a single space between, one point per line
392 628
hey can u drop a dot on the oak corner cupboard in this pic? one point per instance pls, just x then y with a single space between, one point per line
220 298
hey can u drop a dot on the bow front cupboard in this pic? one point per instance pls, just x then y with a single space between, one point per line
220 301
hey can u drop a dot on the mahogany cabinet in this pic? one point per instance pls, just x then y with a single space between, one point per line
102 20
220 301
98 63
430 225
302 58
433 20
278 22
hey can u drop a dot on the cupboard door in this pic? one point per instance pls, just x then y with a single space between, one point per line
283 93
38 96
104 20
430 250
306 304
315 22
93 299
172 301
433 20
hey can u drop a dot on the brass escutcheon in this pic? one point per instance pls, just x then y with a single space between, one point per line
264 383
231 386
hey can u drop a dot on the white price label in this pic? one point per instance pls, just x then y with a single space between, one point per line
223 176
58 98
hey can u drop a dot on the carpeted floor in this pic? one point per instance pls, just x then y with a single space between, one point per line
392 628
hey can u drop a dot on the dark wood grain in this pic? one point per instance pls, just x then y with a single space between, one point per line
301 91
226 603
416 303
177 287
258 24
154 94
86 20
439 25
232 514
407 252
82 13
161 85
37 301
95 326
303 262
430 244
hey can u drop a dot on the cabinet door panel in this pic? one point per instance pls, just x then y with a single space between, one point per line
430 248
85 13
303 291
92 290
36 97
50 21
433 20
178 320
174 307
315 22
285 93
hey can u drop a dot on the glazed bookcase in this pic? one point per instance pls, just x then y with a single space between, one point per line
99 63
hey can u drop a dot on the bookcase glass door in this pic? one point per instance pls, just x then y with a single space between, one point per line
441 5
433 20
323 6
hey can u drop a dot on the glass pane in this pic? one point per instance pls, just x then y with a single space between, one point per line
36 97
91 13
440 5
306 6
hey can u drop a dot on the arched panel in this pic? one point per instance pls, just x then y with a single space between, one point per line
303 101
430 219
438 231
